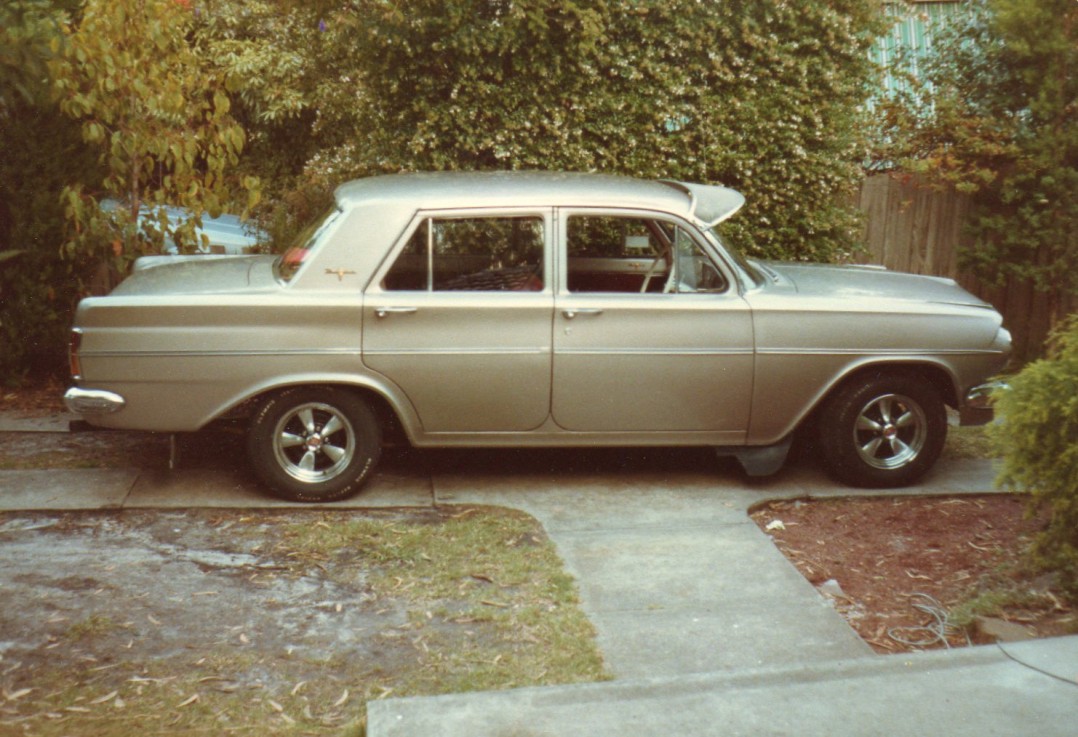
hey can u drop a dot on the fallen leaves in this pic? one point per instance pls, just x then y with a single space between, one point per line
193 698
16 695
105 699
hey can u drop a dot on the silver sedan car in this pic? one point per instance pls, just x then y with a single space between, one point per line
533 309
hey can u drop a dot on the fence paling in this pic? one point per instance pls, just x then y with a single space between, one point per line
911 227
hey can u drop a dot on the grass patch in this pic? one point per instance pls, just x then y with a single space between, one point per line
489 602
91 628
179 698
969 443
477 599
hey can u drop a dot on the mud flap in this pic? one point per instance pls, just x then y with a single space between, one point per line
758 460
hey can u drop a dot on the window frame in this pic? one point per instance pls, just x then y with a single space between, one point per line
699 240
421 217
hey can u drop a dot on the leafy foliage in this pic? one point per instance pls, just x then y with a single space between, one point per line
762 96
160 119
993 115
1038 439
41 153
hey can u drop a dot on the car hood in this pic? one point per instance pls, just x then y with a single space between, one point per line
166 275
864 282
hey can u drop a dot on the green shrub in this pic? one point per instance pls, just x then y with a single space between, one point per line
764 96
1038 440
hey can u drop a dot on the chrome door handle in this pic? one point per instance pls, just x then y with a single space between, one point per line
571 313
383 311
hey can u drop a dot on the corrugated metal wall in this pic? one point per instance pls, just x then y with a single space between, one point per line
909 37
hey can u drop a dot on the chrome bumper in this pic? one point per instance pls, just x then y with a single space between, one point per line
977 408
92 401
980 396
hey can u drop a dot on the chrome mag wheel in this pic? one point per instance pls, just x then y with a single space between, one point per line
314 442
890 431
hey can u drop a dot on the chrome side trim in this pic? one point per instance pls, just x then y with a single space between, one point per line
656 352
542 351
878 352
188 354
93 401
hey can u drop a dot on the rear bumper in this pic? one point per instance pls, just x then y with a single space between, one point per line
92 401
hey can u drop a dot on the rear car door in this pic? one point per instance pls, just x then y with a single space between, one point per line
460 319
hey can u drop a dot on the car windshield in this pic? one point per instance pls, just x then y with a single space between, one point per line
289 262
743 263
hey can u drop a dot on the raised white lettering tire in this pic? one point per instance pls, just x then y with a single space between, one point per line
314 444
884 430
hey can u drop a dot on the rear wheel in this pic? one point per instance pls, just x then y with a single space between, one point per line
314 444
885 431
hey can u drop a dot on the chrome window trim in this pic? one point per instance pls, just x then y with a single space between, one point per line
421 216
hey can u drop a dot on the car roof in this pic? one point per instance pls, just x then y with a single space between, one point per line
703 203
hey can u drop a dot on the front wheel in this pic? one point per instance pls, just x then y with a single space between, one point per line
884 432
314 444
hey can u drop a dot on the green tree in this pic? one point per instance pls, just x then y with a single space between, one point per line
159 115
766 96
993 115
42 152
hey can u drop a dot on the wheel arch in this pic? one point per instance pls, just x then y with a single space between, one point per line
396 414
935 374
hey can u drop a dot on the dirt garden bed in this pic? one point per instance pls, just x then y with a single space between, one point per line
914 573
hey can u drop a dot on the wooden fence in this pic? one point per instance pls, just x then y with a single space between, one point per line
914 228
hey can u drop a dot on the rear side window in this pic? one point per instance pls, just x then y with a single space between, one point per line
489 254
289 262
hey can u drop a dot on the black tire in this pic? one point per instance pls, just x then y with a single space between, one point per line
298 460
882 430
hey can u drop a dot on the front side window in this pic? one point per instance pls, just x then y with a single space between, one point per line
488 254
623 254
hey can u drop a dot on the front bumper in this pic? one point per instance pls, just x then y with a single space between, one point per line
977 407
92 401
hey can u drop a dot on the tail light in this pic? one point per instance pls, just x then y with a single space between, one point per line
73 345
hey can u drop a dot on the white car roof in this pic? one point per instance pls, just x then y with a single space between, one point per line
703 203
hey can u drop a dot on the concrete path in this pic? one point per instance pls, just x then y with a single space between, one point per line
976 692
672 572
707 628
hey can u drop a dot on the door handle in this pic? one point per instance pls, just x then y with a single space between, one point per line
383 311
571 313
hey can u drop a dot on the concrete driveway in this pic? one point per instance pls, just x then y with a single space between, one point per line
706 626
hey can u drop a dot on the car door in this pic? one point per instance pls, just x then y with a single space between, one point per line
460 319
650 331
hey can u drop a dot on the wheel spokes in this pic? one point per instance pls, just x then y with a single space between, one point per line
872 446
334 425
290 440
868 424
308 461
306 416
333 452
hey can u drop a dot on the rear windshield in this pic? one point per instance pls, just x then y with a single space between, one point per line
289 262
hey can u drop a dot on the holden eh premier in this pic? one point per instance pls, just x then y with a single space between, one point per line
533 309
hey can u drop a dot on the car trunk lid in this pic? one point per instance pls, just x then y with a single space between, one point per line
167 275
